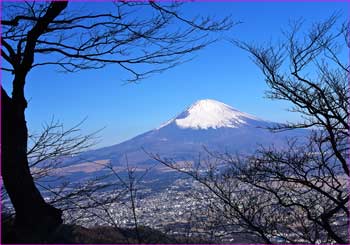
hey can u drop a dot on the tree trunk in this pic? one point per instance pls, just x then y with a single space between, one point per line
32 212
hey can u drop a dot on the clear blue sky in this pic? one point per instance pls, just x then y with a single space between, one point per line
221 71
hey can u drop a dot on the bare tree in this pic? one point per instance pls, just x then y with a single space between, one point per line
47 154
131 186
317 83
49 149
227 197
297 194
141 38
86 202
123 187
318 88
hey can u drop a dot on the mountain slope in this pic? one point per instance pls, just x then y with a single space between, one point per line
206 123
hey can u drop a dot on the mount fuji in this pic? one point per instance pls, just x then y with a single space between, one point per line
206 124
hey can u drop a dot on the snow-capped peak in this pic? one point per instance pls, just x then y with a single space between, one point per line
209 113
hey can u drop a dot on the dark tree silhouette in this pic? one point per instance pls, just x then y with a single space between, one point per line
140 37
48 149
310 178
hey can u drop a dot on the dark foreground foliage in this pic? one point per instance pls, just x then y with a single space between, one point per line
75 234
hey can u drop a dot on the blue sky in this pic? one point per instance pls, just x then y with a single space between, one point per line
221 71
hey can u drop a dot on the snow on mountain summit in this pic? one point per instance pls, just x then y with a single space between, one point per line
208 113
